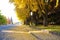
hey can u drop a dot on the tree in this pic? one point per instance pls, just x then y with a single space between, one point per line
3 20
46 7
24 7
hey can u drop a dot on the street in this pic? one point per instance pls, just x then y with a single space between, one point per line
25 32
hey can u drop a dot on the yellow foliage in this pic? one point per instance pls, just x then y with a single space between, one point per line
23 7
57 2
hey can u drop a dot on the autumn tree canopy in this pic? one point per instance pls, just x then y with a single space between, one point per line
23 7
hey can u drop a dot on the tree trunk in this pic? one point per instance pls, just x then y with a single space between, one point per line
45 22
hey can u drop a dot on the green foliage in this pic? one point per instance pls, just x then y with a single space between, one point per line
3 20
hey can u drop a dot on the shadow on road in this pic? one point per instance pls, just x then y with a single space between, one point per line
55 33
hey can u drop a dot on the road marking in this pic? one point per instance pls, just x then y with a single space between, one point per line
10 31
45 31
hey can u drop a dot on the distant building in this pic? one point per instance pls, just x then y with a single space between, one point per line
9 21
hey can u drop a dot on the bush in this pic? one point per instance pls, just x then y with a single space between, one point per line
3 20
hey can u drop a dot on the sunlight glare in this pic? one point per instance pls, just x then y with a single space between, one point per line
7 9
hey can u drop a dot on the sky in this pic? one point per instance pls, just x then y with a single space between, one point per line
7 9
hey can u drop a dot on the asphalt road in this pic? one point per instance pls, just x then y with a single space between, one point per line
7 27
26 33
